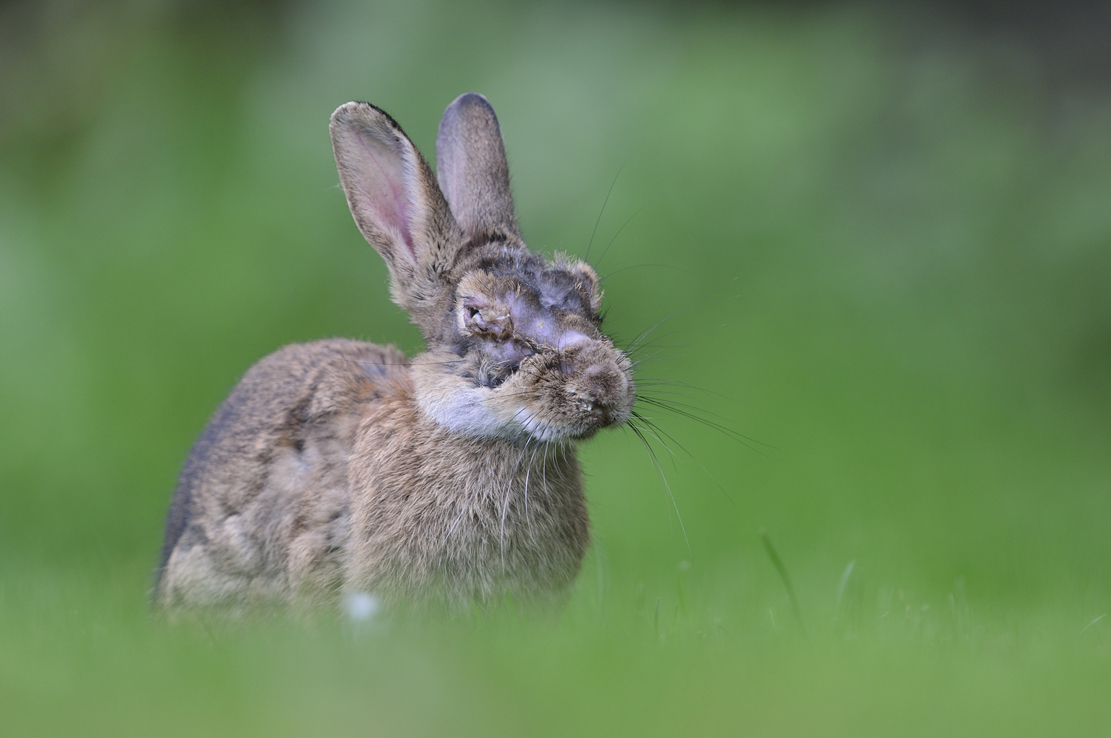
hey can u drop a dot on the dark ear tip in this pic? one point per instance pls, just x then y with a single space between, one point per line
350 110
361 114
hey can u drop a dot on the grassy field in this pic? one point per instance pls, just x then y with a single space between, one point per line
882 247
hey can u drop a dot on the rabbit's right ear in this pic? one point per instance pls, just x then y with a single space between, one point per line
397 205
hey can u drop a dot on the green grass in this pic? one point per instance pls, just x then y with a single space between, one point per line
83 656
888 254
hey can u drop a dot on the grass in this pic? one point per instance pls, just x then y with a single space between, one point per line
83 655
885 249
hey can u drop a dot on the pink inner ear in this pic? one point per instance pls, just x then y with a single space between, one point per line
383 194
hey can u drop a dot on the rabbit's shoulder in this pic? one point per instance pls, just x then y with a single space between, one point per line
285 395
307 382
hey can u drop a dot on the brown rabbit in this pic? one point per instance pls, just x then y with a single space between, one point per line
339 467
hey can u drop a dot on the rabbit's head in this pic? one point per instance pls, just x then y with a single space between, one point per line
515 343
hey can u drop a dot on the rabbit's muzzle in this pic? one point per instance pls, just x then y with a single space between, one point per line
592 389
603 392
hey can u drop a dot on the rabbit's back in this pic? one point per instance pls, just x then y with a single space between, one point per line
261 510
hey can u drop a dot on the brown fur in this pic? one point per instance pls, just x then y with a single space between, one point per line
338 467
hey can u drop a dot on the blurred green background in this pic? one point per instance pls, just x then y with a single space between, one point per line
885 236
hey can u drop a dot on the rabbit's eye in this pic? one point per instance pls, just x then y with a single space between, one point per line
487 321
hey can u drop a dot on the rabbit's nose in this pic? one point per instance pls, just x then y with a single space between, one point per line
603 387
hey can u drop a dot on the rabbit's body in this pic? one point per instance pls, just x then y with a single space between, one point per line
339 467
324 438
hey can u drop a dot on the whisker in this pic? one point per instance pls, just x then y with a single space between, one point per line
657 432
528 473
627 222
676 312
638 266
648 428
650 359
603 210
659 389
686 334
665 382
544 467
505 510
655 346
452 528
672 404
651 428
644 334
720 427
663 478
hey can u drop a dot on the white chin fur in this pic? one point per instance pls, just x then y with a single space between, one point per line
464 412
473 411
538 429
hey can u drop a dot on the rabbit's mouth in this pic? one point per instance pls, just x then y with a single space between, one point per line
547 396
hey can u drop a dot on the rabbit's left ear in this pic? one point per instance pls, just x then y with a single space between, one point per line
473 172
397 205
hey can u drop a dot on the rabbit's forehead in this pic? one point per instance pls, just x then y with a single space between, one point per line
550 323
551 306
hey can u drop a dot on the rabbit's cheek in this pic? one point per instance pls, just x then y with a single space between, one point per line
454 401
464 410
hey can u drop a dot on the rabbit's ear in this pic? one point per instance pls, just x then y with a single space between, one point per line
396 203
473 173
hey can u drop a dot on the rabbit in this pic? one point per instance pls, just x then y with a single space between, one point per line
338 468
